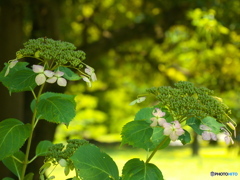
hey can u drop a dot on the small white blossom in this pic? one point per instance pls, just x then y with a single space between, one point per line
157 119
58 77
173 130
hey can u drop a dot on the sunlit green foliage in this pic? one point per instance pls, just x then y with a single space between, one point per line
134 43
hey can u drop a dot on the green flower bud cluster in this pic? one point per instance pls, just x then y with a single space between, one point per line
45 49
59 151
185 100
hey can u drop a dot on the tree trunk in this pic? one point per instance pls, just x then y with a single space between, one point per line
11 39
45 15
195 145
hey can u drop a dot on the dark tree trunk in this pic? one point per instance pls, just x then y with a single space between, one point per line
11 39
195 145
45 17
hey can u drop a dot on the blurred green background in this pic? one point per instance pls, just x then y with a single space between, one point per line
133 45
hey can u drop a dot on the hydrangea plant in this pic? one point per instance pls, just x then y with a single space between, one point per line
152 128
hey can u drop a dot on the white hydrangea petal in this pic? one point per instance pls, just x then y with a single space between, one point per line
213 136
52 80
177 124
7 71
153 124
62 82
161 121
156 112
140 99
13 63
133 102
206 136
40 79
167 131
173 136
48 73
180 132
93 77
204 127
89 70
38 69
59 73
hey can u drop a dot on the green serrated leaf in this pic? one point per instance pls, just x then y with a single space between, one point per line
14 165
42 148
55 107
194 123
13 134
69 74
158 137
135 169
185 138
144 114
93 164
213 124
137 134
20 78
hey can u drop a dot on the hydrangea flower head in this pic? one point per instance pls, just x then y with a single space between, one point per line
157 119
173 130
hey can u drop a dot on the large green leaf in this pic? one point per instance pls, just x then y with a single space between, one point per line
55 107
194 123
92 164
158 137
13 134
14 165
137 134
213 124
144 114
42 148
20 78
135 169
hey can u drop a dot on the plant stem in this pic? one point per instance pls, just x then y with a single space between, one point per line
33 124
155 150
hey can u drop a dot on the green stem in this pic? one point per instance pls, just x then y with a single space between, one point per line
33 124
155 150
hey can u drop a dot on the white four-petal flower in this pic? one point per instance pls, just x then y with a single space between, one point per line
157 119
173 130
58 77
